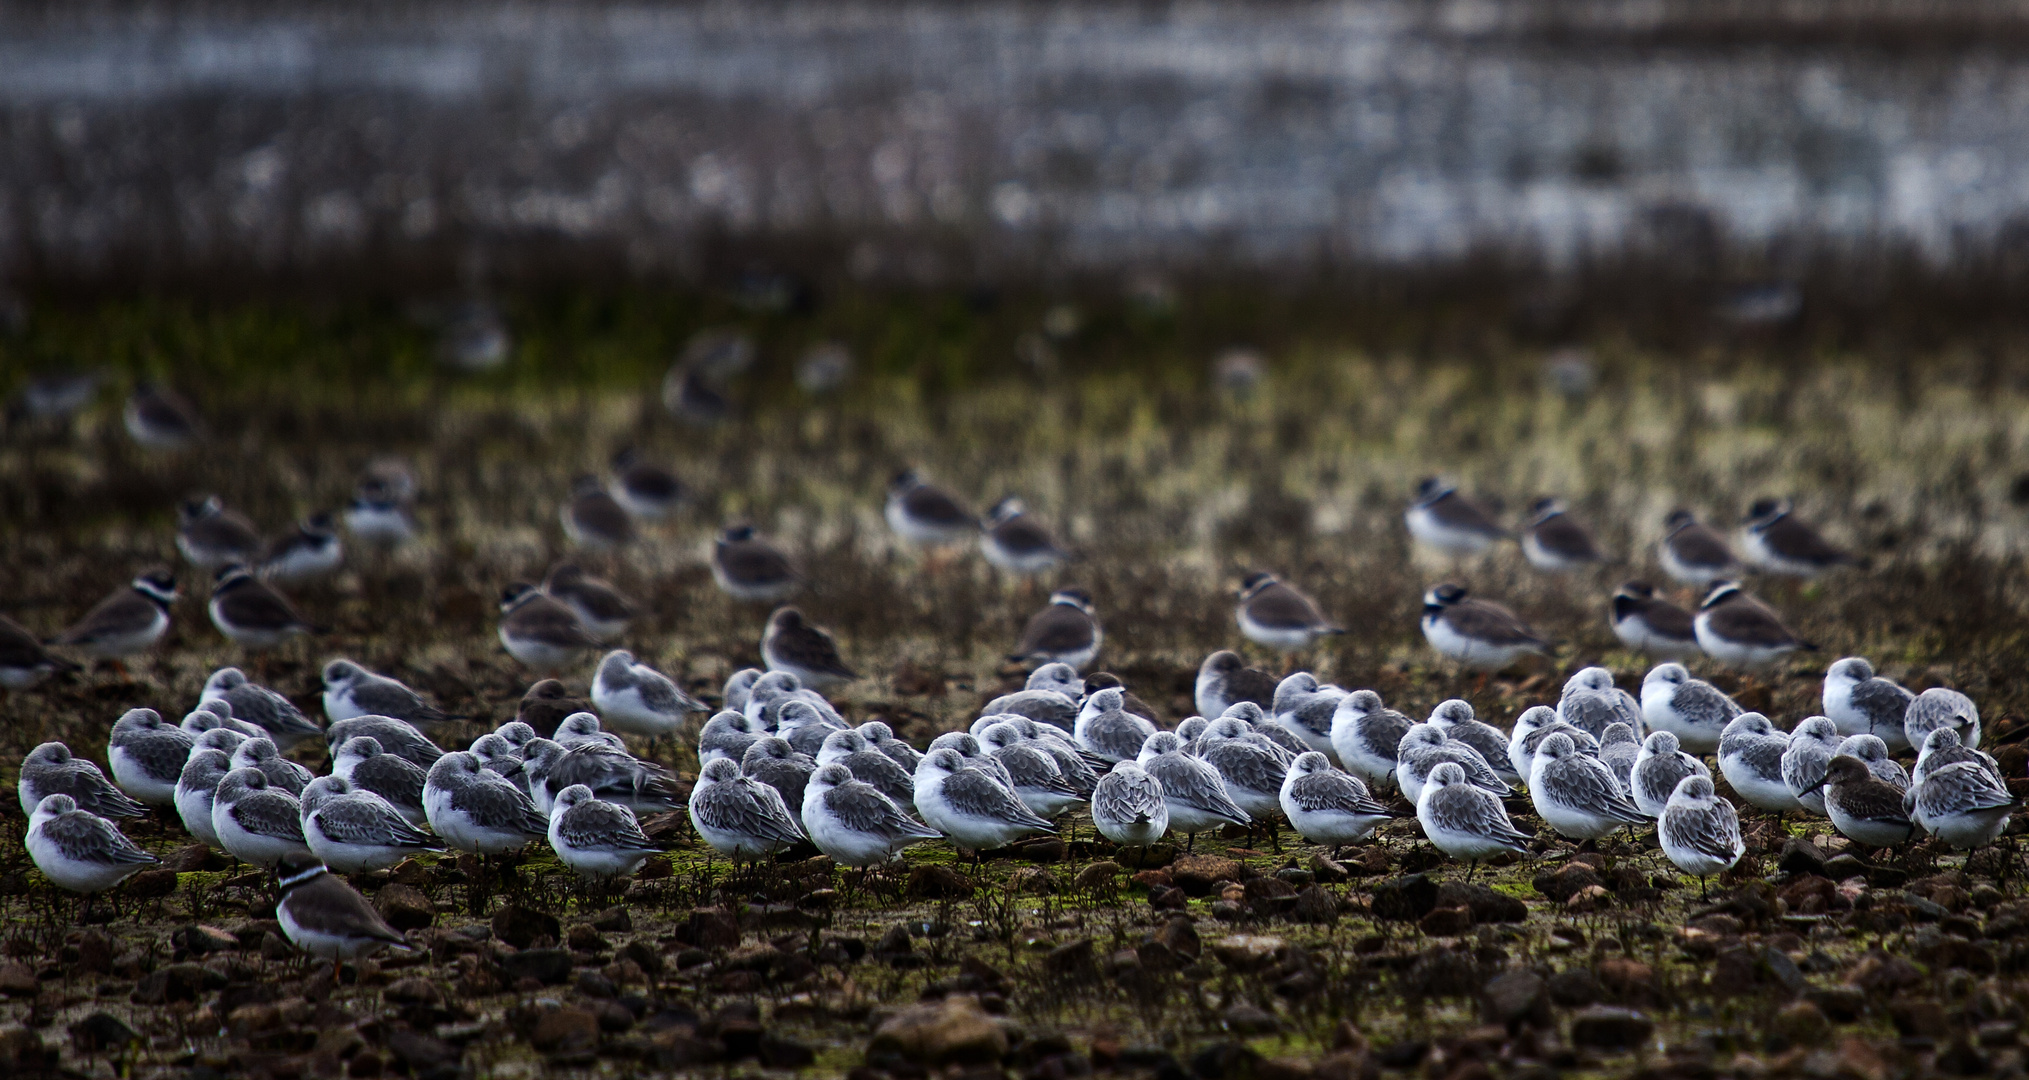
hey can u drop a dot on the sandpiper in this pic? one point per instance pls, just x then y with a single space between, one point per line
24 662
255 822
637 699
1015 541
1464 821
1539 722
1590 701
210 536
1875 753
598 839
216 715
1066 631
397 737
594 519
1863 703
771 693
794 644
1480 634
497 752
1963 804
739 816
853 822
1367 735
476 809
1107 731
1037 774
147 756
751 568
613 775
1619 749
1778 542
775 763
1326 806
1554 543
351 690
1450 522
1693 710
738 685
1658 769
849 748
1106 680
1128 806
1941 748
282 774
256 704
1942 707
51 769
968 747
1456 719
79 850
927 516
55 396
645 489
546 704
196 791
805 726
1252 768
882 737
1751 758
1739 630
539 631
1694 554
1426 746
352 830
1038 701
251 613
600 608
161 419
727 735
692 395
326 917
1812 743
1224 680
378 517
361 762
1650 624
1191 787
1699 831
1306 710
1278 616
132 618
309 552
971 808
1577 795
1865 809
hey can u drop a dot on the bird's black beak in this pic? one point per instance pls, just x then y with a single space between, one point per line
1815 786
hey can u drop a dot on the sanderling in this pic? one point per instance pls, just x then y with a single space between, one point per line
601 609
476 809
1252 768
1450 522
1426 746
306 553
739 816
1865 809
352 830
1693 710
1941 748
1225 680
613 775
882 737
1306 709
255 822
596 838
975 810
1553 542
351 690
1071 764
1863 703
397 737
853 822
1649 624
1941 707
1012 539
1037 775
1875 753
647 490
1962 803
1464 821
967 745
1657 769
593 518
1276 615
1811 745
738 684
1591 701
540 631
132 618
147 756
1455 718
1693 553
1699 831
324 916
159 418
927 516
1752 760
216 715
51 769
24 661
1739 630
849 748
1106 730
282 774
1260 723
1128 807
1539 722
1480 634
794 644
637 699
210 536
1192 788
1366 736
747 566
399 782
79 850
1106 680
1066 631
497 752
1619 749
1577 795
727 735
805 727
775 763
256 704
1778 542
1326 806
773 691
1044 704
197 788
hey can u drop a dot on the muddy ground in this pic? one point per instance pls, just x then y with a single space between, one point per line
1252 957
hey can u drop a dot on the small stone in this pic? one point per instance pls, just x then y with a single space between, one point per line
101 1032
1248 1020
1405 899
405 907
521 927
176 982
1033 881
1097 877
1589 898
777 1052
1622 975
1070 958
22 1052
1446 922
1487 905
1922 1019
1154 879
1514 996
151 884
933 882
954 1031
1325 868
1181 938
1800 856
1565 881
711 928
565 1031
1196 874
1248 952
583 938
613 920
546 966
191 858
1802 1023
1575 988
413 991
1610 1029
1226 1061
1314 904
204 940
18 980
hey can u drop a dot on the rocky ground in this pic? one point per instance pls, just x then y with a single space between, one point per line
1064 958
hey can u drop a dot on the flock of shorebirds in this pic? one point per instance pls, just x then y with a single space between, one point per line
781 766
